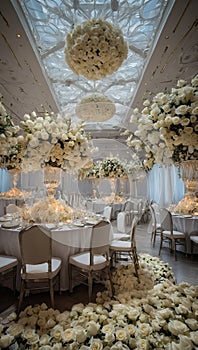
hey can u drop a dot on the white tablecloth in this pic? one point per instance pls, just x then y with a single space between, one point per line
187 225
67 240
5 201
97 206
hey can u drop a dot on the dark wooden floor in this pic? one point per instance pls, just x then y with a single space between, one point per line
185 269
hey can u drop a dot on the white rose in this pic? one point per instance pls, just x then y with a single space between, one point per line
68 335
44 339
121 335
96 344
146 103
182 109
177 327
185 121
195 110
92 328
109 338
181 83
194 337
5 341
176 120
80 334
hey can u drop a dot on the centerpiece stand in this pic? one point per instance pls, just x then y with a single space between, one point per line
189 204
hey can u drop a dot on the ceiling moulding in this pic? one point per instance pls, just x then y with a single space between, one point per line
23 83
175 53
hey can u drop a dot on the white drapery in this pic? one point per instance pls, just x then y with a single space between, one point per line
165 187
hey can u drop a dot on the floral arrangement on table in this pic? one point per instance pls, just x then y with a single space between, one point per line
109 167
95 107
95 49
49 210
112 167
164 318
146 141
168 125
135 169
55 141
179 121
12 143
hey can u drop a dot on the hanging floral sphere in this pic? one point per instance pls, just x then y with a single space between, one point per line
95 49
95 107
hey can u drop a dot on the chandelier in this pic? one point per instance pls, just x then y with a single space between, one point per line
95 107
95 49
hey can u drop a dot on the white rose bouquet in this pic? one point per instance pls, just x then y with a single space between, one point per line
55 141
179 121
95 49
110 167
12 143
147 141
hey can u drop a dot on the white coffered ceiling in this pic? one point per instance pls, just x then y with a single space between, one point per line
161 36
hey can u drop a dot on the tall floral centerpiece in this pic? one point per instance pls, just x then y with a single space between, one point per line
12 143
169 122
12 147
55 141
54 144
146 141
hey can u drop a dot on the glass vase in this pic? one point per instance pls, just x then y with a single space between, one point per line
189 204
51 179
15 175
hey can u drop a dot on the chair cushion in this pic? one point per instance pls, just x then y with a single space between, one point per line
7 263
40 271
194 239
120 245
120 236
176 234
82 260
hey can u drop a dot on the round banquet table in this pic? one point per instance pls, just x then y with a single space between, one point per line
186 224
66 241
97 206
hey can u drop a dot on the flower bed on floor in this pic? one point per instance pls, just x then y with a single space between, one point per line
157 314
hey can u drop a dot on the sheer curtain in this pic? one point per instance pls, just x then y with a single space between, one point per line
165 187
5 180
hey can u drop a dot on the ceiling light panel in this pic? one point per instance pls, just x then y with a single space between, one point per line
51 20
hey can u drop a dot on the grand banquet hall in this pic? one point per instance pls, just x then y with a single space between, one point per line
99 174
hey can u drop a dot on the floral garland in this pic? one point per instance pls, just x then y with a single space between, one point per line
95 107
165 318
55 141
95 49
12 143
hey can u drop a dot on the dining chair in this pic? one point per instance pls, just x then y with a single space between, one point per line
193 240
156 225
119 249
12 209
93 261
40 270
8 269
107 212
169 235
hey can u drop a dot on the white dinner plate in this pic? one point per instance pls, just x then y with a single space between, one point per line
91 222
187 216
13 224
4 219
78 224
